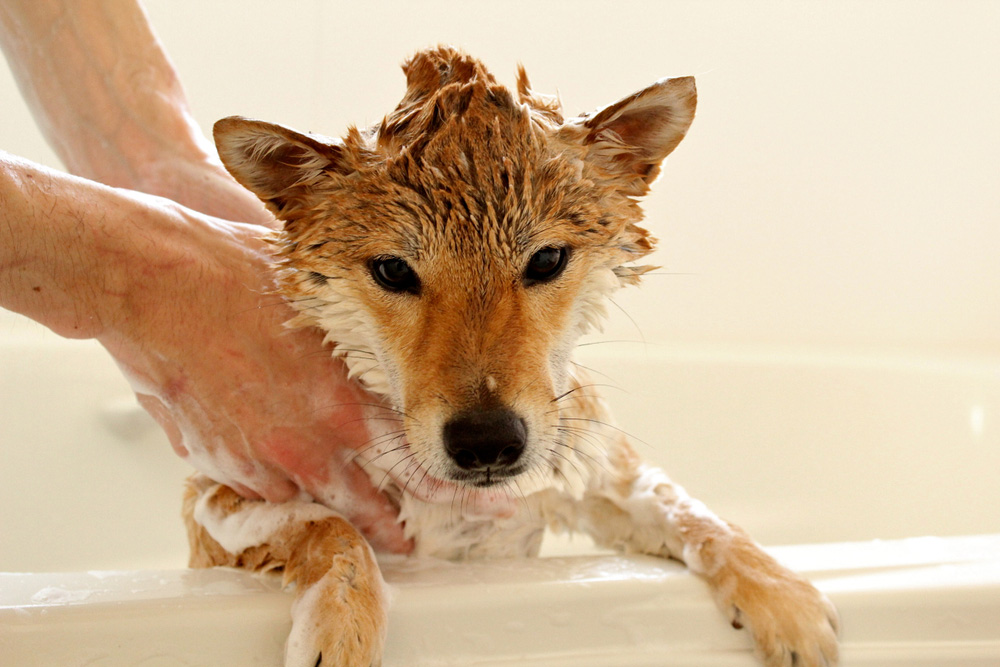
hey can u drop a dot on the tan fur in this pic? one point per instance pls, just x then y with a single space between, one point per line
466 182
328 562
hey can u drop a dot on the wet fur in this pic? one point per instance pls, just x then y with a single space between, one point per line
465 180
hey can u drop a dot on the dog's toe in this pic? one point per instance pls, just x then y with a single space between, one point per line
792 624
336 623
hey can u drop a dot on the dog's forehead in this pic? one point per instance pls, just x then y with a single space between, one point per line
485 176
479 199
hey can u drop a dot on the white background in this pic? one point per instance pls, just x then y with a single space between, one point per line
840 185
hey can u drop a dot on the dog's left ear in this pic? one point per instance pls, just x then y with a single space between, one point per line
629 139
278 164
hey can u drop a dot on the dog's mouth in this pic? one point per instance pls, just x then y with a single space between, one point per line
485 494
488 478
432 482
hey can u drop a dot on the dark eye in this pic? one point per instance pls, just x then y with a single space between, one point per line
395 275
545 265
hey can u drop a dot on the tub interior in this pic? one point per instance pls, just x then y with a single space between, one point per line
796 447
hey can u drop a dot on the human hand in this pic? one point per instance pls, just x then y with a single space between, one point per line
185 303
257 406
183 300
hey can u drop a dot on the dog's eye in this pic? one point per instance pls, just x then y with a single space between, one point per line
545 265
395 275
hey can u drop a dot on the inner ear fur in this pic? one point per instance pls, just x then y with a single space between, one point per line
274 162
630 138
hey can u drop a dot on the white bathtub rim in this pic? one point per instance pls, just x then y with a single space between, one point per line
937 600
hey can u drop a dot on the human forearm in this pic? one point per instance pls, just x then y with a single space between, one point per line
109 102
68 257
98 82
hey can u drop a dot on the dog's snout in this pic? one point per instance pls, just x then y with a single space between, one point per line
485 439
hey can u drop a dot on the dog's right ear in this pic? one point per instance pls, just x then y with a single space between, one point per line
276 163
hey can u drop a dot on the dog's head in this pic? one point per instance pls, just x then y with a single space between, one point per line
455 252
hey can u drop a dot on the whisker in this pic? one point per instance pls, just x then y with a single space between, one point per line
589 467
375 440
585 386
572 429
522 390
463 499
585 438
630 319
422 478
409 478
454 497
595 464
519 492
388 408
568 404
560 473
395 420
595 372
565 458
367 464
386 479
408 460
380 406
567 393
605 342
386 438
576 433
605 425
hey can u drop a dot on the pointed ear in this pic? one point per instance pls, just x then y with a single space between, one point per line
631 137
276 163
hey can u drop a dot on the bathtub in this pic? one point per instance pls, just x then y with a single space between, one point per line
876 475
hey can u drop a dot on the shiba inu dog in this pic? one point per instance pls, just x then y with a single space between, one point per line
454 253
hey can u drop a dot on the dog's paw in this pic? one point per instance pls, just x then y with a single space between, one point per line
792 623
339 621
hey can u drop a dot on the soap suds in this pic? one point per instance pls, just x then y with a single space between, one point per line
55 595
256 523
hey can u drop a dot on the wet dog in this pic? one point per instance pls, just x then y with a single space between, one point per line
454 253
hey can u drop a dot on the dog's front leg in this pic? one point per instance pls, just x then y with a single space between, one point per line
637 508
339 613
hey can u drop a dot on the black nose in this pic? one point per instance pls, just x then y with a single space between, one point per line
481 440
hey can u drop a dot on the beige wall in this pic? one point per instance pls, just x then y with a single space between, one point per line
841 184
